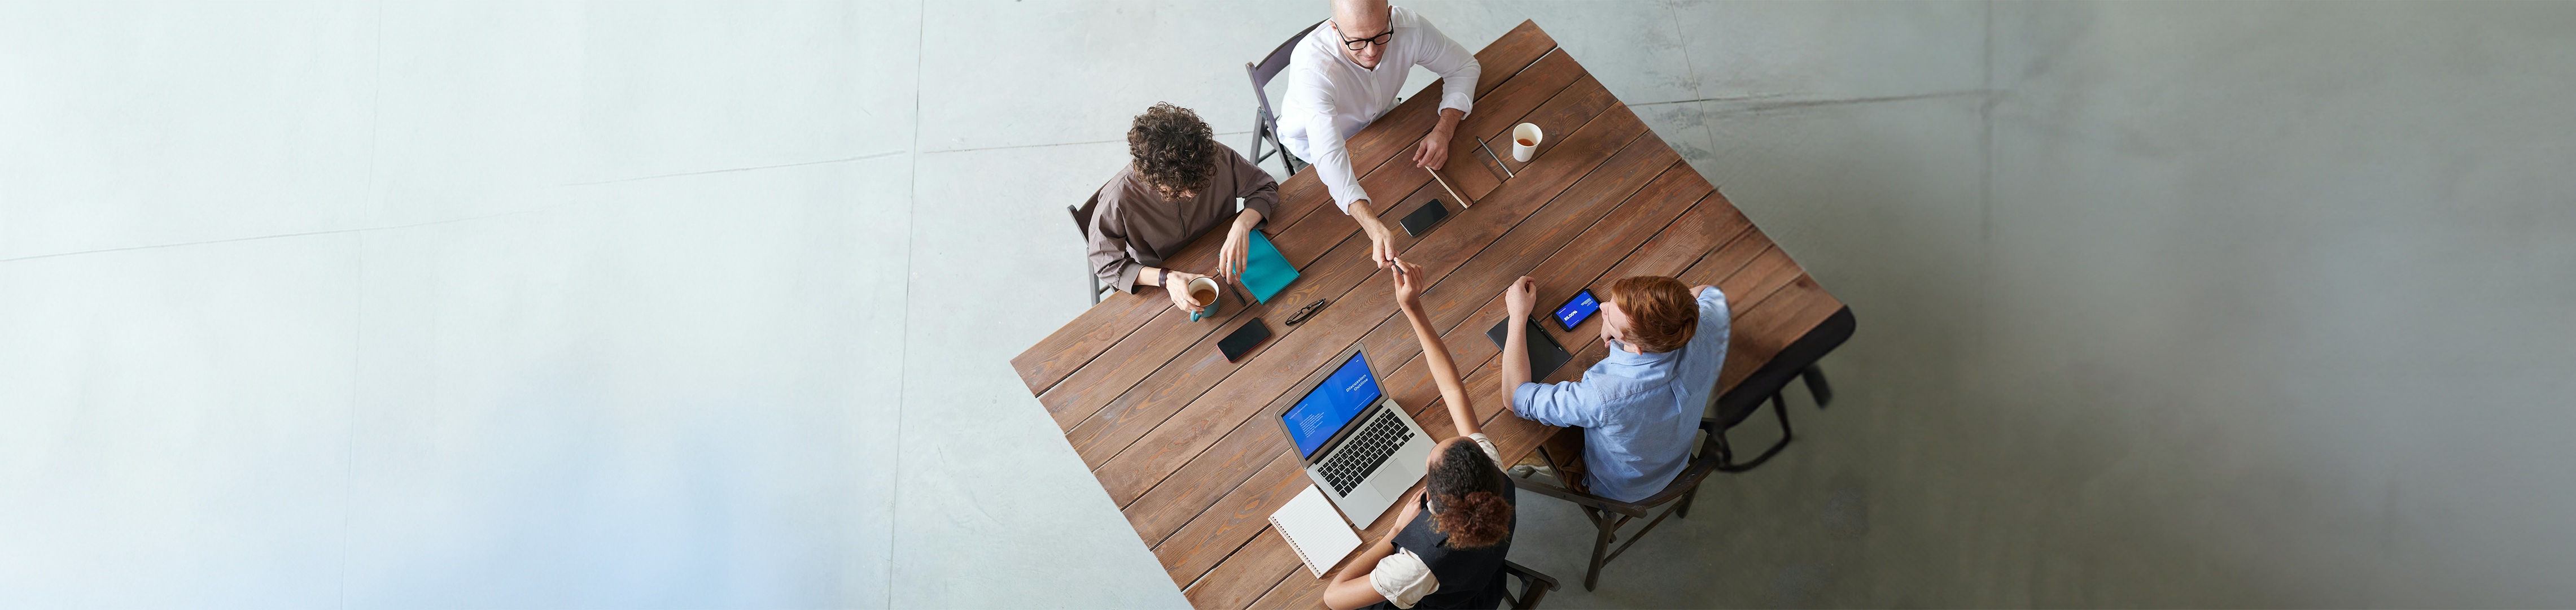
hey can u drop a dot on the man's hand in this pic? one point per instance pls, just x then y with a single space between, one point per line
1434 152
1408 295
1178 287
1520 297
1381 243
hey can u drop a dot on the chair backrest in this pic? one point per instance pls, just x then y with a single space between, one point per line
1739 403
1082 215
1269 67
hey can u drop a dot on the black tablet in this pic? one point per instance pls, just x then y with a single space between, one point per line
1545 354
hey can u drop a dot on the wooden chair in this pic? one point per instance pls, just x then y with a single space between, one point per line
1531 583
1265 124
1082 226
1714 455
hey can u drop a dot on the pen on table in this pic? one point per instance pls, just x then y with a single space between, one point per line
1463 203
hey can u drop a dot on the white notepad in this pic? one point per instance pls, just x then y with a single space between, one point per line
1315 530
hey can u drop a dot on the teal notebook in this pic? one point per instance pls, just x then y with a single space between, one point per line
1266 272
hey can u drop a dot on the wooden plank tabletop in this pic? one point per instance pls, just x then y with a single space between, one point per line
1171 428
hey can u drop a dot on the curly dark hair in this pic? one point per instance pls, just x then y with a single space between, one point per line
1467 487
1173 149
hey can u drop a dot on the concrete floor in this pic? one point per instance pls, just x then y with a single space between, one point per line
696 305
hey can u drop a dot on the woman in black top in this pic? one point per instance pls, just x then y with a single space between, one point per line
1449 551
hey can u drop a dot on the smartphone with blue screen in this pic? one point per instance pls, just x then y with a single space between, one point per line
1576 310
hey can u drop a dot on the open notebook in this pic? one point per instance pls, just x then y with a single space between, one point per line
1315 529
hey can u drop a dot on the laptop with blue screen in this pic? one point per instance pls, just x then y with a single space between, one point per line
1357 445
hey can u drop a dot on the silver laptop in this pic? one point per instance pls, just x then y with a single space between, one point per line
1357 445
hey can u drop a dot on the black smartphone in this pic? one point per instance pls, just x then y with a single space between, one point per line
1576 310
1243 339
1421 220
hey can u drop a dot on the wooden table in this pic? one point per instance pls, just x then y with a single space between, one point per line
1172 429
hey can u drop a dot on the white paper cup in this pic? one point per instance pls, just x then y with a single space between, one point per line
1525 140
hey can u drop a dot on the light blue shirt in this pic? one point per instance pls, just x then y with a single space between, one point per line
1638 411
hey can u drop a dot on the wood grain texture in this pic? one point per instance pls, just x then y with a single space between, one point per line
1232 520
1581 264
1527 244
1297 592
1161 451
1048 362
1576 103
1248 573
1178 436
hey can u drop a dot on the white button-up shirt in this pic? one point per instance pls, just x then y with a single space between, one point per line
1330 98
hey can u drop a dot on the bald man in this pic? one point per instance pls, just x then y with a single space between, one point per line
1343 75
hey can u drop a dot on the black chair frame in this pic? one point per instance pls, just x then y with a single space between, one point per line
1265 123
1534 585
1769 383
1082 226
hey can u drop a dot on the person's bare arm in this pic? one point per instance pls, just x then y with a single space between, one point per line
1517 301
1435 352
1381 241
1350 588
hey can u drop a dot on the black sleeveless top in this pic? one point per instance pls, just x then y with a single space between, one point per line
1469 578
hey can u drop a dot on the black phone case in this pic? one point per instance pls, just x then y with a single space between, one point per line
1544 352
1243 340
1421 220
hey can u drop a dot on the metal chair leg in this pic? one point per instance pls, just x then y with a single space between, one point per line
1780 409
1816 385
1683 511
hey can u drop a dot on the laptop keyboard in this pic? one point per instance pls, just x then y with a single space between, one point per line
1364 452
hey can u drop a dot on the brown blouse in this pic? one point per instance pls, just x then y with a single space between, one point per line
1134 227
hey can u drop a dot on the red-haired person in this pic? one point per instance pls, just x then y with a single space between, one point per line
1640 406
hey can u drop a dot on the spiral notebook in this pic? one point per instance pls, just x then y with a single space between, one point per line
1315 529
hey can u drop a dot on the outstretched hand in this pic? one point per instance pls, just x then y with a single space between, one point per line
1407 293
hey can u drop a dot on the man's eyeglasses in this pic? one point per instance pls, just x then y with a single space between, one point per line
1362 43
1379 40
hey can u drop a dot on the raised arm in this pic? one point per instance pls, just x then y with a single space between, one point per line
1517 301
1435 352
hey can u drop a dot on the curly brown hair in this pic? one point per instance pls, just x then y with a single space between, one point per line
1173 150
1662 316
1467 486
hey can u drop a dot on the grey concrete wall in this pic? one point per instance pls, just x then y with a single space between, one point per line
2200 305
691 304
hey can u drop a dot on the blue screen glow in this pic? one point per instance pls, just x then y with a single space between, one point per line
1327 407
1577 309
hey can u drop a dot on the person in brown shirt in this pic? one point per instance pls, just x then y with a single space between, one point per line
1178 184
